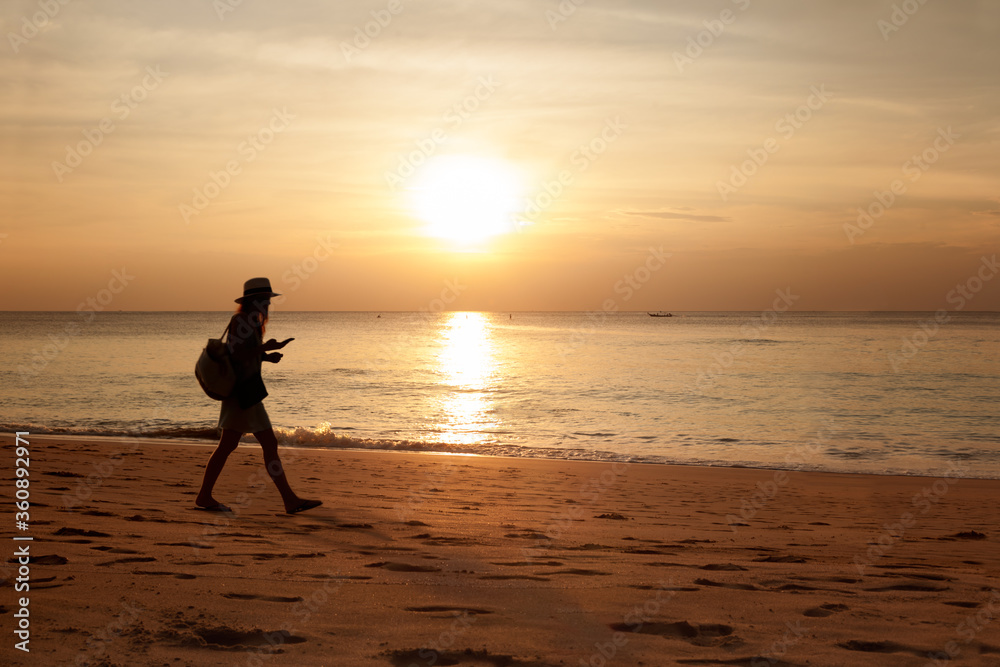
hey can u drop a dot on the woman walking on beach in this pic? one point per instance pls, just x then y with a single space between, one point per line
244 412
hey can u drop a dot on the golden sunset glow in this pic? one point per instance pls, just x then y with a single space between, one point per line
467 199
362 163
468 366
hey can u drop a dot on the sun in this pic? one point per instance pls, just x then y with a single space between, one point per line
467 199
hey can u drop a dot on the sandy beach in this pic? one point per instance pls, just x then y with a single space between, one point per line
421 560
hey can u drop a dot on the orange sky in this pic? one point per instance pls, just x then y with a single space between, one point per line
740 137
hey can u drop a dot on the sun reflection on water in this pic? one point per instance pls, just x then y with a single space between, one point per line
468 367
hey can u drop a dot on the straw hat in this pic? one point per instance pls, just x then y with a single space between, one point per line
256 288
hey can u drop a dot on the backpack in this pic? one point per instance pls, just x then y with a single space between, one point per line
214 369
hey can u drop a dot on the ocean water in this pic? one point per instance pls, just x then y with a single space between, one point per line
883 393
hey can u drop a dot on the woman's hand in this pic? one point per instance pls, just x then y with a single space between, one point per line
273 357
273 344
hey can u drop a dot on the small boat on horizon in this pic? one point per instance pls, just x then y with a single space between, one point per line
660 313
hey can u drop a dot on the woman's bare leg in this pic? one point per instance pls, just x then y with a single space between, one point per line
227 444
269 443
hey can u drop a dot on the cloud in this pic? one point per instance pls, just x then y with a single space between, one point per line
672 215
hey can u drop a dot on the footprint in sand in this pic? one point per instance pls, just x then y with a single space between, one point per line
403 567
123 561
878 647
80 533
799 587
913 588
52 559
738 662
441 609
482 657
966 535
262 598
527 535
41 584
175 575
531 563
682 589
781 559
449 541
257 556
721 584
172 544
723 567
710 634
825 610
223 637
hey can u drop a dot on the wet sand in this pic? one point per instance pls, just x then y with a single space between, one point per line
422 560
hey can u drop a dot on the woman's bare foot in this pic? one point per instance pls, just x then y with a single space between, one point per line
302 506
211 504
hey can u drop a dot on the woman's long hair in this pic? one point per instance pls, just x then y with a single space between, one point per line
247 318
253 314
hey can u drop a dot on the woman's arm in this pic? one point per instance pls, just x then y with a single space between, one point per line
273 344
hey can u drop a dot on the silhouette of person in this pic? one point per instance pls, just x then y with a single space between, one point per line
244 412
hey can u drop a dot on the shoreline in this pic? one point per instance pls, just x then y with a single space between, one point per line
623 457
